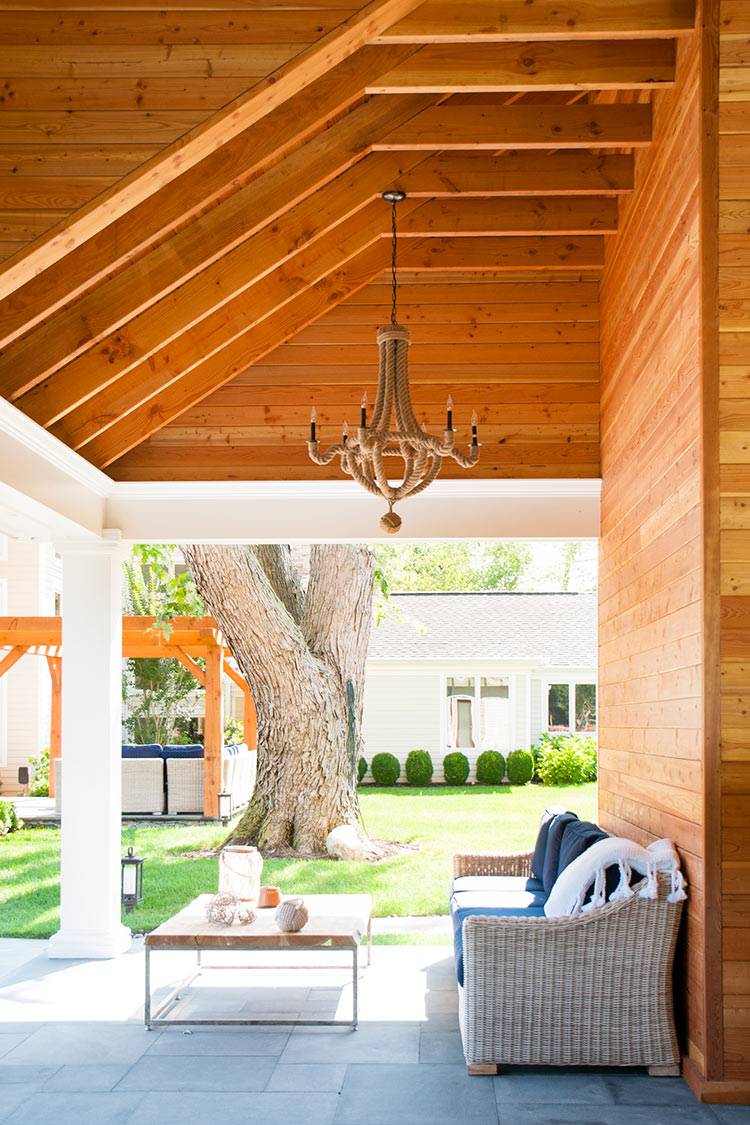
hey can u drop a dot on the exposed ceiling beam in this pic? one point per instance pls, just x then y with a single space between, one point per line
442 21
511 67
208 137
85 323
206 377
494 127
172 205
519 174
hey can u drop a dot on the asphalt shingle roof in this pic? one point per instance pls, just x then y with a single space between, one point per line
561 629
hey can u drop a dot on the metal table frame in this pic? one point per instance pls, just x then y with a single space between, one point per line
155 1018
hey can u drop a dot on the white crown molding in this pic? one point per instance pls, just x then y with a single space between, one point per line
15 424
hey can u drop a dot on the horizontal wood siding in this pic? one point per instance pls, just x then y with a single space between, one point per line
651 549
734 421
524 353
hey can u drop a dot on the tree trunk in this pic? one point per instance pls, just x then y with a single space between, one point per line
297 650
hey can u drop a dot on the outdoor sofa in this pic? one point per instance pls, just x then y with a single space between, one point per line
158 779
587 987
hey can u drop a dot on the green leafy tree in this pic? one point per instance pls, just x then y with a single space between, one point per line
453 566
157 691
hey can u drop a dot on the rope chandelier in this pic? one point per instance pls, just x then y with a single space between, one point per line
363 456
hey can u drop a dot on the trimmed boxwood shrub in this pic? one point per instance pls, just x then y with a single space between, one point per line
361 769
9 819
455 768
490 767
386 769
419 767
520 767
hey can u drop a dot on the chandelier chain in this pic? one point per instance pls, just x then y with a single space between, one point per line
393 262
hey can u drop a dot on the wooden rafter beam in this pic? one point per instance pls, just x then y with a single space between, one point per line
204 298
248 312
200 187
211 135
493 127
235 677
207 376
11 658
519 173
87 321
442 21
191 665
512 67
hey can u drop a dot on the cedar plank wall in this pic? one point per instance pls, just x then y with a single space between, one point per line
734 406
651 546
524 350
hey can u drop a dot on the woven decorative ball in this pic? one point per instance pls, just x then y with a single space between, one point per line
244 916
291 915
222 909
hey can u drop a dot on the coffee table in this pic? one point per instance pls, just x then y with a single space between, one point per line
336 922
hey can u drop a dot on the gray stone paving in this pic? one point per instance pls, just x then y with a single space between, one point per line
73 1051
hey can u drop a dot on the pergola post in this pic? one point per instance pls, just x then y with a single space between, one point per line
213 731
249 721
54 663
90 923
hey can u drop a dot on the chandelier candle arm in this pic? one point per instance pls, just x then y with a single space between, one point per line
363 455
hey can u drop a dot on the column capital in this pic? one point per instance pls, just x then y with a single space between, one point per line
108 543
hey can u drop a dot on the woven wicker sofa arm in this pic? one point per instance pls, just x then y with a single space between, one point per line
478 863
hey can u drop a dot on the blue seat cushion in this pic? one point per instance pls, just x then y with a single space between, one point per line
577 838
493 903
554 842
192 750
149 750
540 847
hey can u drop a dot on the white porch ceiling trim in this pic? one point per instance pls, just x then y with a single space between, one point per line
47 491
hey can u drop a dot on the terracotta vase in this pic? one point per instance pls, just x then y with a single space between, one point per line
269 896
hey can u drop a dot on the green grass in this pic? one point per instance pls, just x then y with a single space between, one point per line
440 820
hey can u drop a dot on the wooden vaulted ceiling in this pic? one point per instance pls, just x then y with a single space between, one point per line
195 248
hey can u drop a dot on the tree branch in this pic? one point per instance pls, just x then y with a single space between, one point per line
276 560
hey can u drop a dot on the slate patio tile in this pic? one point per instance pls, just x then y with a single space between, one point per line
641 1089
14 1096
321 1077
24 1073
87 1077
441 1047
372 1043
409 1095
192 1072
732 1114
220 1041
579 1114
241 1109
548 1087
76 1109
60 1043
9 1040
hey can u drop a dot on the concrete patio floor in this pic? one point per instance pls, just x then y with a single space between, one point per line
73 1049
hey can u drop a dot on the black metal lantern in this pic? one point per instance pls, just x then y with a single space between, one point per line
225 807
131 880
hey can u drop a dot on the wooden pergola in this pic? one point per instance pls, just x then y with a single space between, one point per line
189 640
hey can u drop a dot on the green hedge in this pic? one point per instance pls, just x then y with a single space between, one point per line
361 769
9 819
520 767
490 767
419 768
385 769
565 759
455 768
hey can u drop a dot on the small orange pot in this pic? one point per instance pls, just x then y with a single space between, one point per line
269 896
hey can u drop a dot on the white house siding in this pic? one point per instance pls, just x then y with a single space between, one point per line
402 713
30 575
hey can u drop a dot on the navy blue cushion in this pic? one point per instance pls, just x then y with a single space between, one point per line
554 842
577 838
537 860
150 750
497 904
497 883
195 750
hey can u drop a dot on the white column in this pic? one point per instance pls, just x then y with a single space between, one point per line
90 923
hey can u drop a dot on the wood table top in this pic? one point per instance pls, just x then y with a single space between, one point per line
341 920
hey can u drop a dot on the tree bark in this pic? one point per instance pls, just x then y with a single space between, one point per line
298 651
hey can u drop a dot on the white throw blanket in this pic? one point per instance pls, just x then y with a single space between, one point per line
569 891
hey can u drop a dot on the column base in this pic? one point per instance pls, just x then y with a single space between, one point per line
89 944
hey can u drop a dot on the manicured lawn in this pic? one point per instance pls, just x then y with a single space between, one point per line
438 819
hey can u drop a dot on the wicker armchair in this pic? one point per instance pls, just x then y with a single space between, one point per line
586 990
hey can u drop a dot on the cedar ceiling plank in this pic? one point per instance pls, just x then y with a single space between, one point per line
426 354
524 127
526 216
511 67
118 126
125 92
294 434
538 253
85 323
225 402
519 173
353 374
138 60
171 207
206 377
87 160
210 136
214 297
43 193
217 335
438 21
526 400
